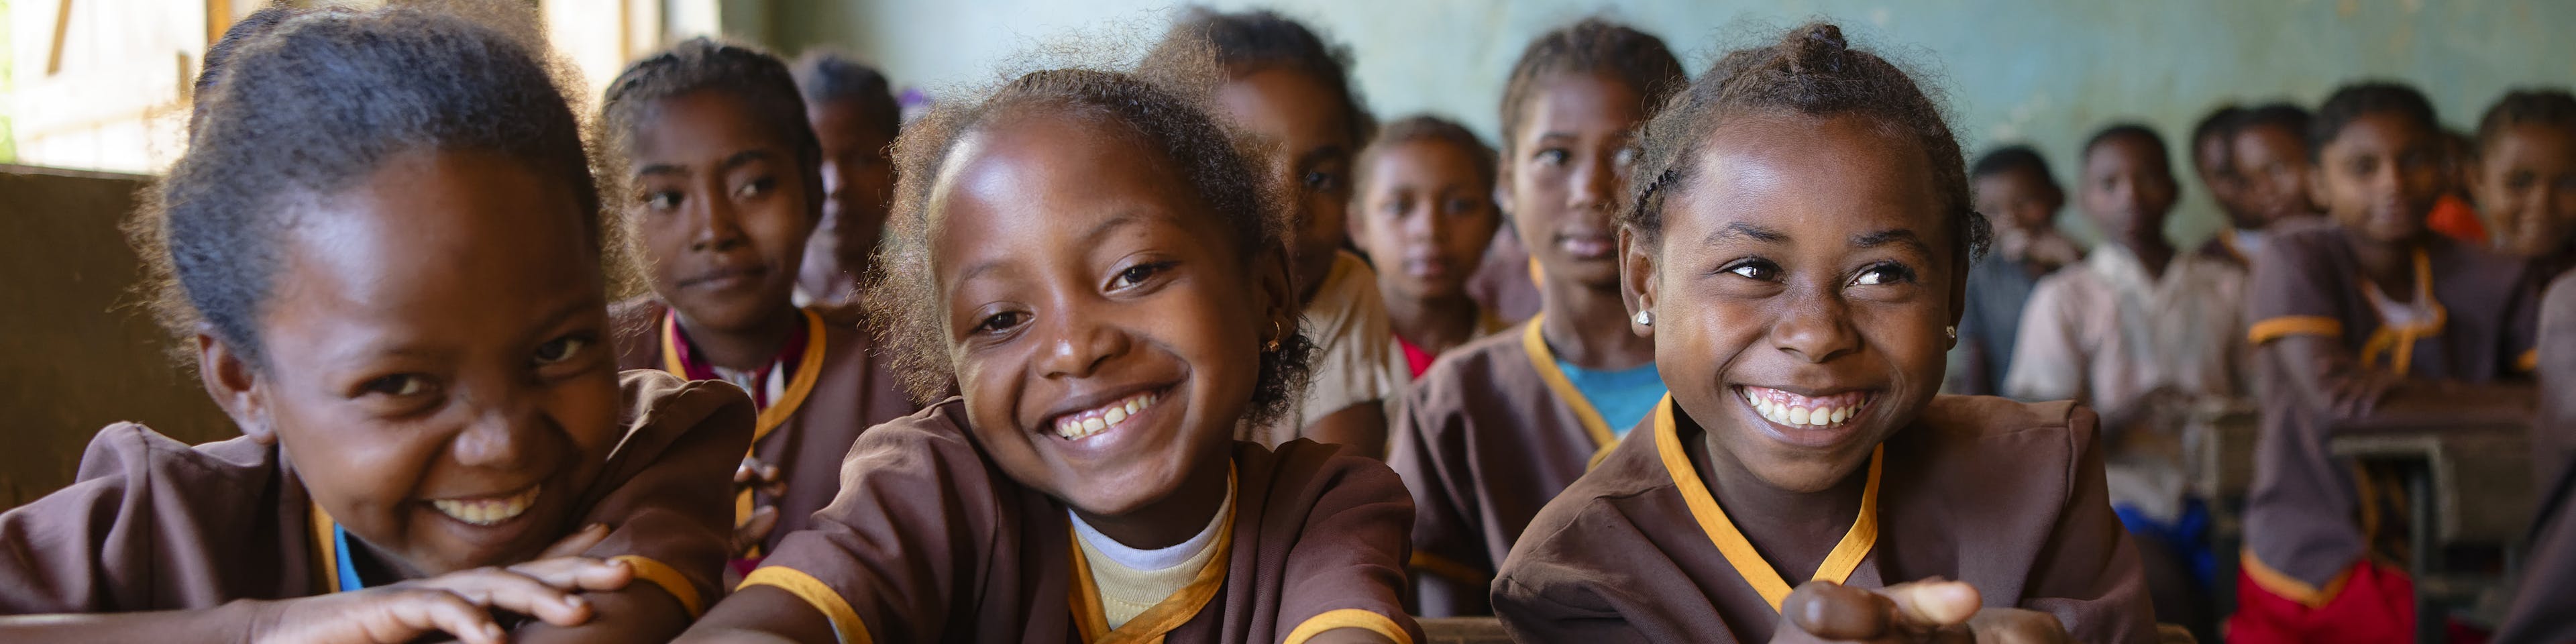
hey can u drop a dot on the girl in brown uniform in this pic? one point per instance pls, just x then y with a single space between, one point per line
1089 261
723 188
384 246
1801 324
1500 425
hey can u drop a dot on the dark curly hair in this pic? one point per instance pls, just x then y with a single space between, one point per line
310 106
1165 112
743 72
2220 123
1590 46
2290 118
1252 41
2551 107
827 75
1813 72
2012 158
1424 127
2351 102
2132 130
249 28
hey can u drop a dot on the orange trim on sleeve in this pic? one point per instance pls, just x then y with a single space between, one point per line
845 621
669 578
2290 588
2275 328
1448 568
1347 618
2528 362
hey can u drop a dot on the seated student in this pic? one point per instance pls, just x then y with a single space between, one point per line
1088 260
855 120
2012 185
2144 334
2213 157
2526 177
2268 147
1802 325
393 284
1426 205
1499 426
722 190
2544 601
2369 319
1285 86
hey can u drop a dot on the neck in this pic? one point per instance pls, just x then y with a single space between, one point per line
743 349
2390 265
1588 327
2154 253
1435 324
1796 530
1173 519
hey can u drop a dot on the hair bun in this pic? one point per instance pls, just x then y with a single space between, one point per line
1824 48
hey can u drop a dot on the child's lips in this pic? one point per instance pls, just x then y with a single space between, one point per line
1807 420
728 278
488 510
1088 422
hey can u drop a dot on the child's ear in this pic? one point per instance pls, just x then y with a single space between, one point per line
1637 281
1959 292
234 385
1275 286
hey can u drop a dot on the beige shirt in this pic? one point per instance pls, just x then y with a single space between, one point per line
2107 334
1356 360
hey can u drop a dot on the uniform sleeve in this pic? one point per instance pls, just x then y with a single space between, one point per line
1347 569
2288 292
2521 337
1450 568
2048 362
2089 575
86 548
1546 594
884 560
671 513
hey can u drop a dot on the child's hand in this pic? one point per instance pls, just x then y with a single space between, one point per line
459 604
755 528
1932 611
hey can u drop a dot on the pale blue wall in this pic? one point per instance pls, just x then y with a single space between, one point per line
2037 71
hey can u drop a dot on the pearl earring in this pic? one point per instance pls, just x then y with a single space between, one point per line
1952 331
1645 318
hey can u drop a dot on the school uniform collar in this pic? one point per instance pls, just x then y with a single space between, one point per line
1151 626
1846 556
1543 360
775 393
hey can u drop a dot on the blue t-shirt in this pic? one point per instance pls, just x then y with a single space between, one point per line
1623 397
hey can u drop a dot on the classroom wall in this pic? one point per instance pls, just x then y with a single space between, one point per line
80 352
2045 72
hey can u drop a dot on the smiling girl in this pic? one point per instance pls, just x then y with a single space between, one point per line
1090 262
393 284
1801 324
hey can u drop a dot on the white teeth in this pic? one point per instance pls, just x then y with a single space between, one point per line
487 511
1797 415
1094 421
1806 412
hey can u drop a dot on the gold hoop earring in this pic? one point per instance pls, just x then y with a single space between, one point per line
1276 332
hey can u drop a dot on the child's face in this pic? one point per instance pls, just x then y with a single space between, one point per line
2127 189
2019 198
2274 164
2213 158
437 370
2527 183
1427 217
858 182
1311 152
1570 162
1781 292
721 209
1105 335
2380 176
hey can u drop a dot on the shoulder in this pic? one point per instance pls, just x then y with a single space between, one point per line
934 443
1308 469
1633 468
2300 237
1973 417
134 453
1967 430
1472 363
632 327
658 402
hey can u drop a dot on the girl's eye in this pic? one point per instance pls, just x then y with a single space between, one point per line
1137 274
1321 181
561 349
1754 269
1883 274
754 188
1552 156
1000 322
662 200
399 385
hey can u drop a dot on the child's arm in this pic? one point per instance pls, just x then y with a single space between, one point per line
459 604
1449 566
761 614
1346 572
1361 427
2294 325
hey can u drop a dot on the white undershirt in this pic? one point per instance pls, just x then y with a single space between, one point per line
1148 560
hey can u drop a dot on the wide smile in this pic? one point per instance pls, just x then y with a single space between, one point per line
1085 423
1813 421
488 510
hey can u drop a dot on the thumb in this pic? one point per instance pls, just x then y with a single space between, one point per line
755 528
1934 602
1833 611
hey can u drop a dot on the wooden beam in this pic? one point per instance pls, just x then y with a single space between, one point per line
62 28
219 17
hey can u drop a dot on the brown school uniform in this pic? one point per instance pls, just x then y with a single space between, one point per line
1506 281
2544 609
1488 435
931 541
154 524
2303 519
2005 496
841 387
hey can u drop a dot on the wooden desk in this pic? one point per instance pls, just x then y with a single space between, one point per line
2464 485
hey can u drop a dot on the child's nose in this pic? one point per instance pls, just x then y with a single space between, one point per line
720 226
1077 346
500 437
1815 327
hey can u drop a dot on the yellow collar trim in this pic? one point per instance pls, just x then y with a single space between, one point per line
809 368
1748 563
1544 361
326 560
1150 626
2398 341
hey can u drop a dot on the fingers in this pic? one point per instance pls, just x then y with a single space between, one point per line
405 615
1933 603
578 573
580 541
519 592
755 529
2018 626
1832 611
